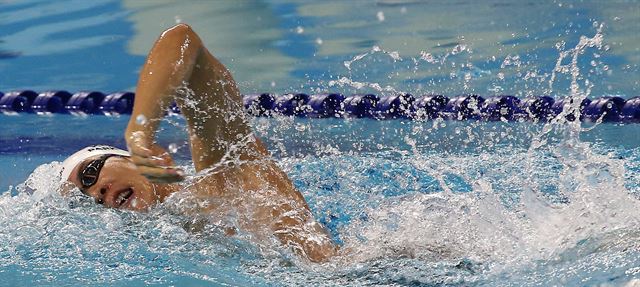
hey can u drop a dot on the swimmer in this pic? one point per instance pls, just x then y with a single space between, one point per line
235 171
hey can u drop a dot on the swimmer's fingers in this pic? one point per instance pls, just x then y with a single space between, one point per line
140 151
161 175
152 161
144 150
150 155
158 168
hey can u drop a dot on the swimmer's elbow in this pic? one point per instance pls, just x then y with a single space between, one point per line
182 35
322 253
178 30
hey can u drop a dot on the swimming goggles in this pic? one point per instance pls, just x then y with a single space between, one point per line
89 175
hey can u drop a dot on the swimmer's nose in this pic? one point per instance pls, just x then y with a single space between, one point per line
103 191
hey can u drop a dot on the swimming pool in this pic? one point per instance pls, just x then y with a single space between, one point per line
418 202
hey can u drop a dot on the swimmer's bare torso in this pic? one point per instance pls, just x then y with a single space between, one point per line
239 173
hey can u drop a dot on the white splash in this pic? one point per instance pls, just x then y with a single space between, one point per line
572 67
375 49
344 81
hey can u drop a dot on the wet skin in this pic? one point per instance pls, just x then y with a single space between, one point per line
236 172
119 176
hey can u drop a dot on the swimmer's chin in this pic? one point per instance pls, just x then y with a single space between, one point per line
134 202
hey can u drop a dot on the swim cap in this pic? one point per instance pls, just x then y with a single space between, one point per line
87 152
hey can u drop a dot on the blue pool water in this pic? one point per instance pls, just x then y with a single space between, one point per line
422 203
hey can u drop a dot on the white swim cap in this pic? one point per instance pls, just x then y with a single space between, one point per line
70 163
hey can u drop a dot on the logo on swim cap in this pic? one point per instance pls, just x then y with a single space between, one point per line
72 161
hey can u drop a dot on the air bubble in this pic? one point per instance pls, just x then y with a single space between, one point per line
299 30
173 148
380 16
141 119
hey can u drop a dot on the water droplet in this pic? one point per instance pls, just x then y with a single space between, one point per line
458 49
319 41
141 119
299 30
395 55
173 148
380 16
273 84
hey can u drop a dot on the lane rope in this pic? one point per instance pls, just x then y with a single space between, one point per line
335 105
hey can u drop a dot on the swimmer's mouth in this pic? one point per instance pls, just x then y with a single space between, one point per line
124 195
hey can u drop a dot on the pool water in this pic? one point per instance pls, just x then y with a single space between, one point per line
417 203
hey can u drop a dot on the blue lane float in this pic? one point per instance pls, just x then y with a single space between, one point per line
429 106
631 111
51 102
605 108
396 106
292 104
17 102
84 103
360 106
463 107
500 108
117 104
536 108
325 105
259 104
568 106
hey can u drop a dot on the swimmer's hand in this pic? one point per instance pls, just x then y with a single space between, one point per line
153 161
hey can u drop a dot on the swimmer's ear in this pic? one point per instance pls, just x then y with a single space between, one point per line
66 188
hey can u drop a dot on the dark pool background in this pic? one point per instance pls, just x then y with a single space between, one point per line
421 203
283 46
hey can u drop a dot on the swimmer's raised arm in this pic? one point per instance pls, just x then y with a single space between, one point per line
180 69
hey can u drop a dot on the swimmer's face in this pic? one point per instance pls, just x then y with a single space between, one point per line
119 184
